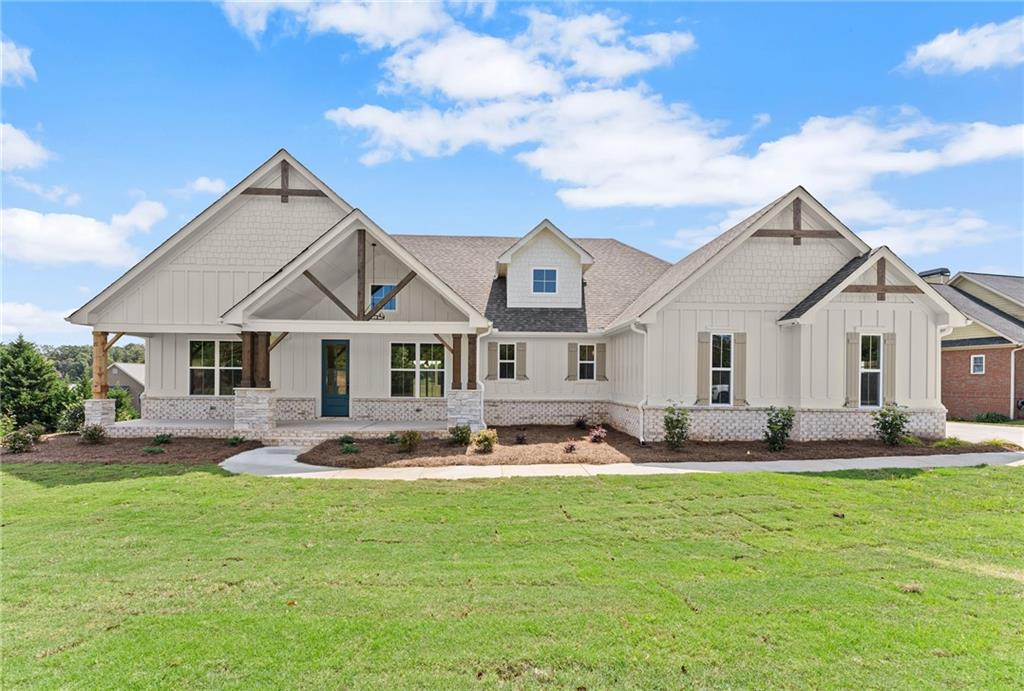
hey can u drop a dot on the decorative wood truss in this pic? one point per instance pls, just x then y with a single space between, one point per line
880 288
284 191
797 232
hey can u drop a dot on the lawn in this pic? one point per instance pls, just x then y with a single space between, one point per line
182 576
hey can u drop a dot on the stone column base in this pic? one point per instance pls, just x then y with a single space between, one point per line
254 410
99 411
465 407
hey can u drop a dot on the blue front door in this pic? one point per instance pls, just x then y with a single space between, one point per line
334 382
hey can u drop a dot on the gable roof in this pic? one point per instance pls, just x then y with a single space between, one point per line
135 370
618 275
1006 325
80 315
1010 287
585 257
819 293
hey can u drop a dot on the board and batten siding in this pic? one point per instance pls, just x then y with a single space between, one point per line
626 368
545 251
547 365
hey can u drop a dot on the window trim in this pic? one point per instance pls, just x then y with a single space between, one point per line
216 366
971 369
417 369
389 286
513 361
533 280
731 369
861 371
580 361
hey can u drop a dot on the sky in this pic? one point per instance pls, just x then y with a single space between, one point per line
658 124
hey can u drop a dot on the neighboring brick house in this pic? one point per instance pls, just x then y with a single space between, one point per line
282 305
983 363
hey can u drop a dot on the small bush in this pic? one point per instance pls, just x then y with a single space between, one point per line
349 448
460 435
485 440
998 442
597 435
93 434
18 441
778 427
581 423
152 449
520 438
7 425
949 443
890 423
36 430
992 417
569 446
72 419
392 438
161 439
677 426
408 441
911 440
235 440
346 439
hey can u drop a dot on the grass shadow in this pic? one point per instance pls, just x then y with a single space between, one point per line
50 475
872 474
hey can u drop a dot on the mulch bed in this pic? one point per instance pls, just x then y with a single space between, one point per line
545 444
66 448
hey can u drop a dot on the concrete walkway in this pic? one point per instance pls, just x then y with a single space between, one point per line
279 461
975 432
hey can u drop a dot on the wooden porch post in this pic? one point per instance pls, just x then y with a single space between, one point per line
247 360
471 374
456 361
99 364
261 371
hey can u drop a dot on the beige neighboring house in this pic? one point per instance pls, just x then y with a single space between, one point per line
282 305
130 376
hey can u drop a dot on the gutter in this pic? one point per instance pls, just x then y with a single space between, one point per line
1013 381
643 401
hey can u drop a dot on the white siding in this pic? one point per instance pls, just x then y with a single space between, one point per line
545 251
626 367
547 365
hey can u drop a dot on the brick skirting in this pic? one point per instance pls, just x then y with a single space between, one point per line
219 408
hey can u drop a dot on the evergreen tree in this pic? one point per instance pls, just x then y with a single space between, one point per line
30 388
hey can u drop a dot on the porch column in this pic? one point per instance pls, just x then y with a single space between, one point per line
99 410
255 407
261 360
247 360
471 375
456 361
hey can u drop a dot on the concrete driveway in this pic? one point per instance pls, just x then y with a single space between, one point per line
973 431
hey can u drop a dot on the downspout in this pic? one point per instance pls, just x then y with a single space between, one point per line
1013 381
643 401
479 381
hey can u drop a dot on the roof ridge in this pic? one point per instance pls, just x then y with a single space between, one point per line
986 273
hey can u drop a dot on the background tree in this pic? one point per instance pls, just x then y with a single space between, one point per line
75 361
31 390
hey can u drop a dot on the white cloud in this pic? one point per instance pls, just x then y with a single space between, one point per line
53 193
15 64
56 238
34 321
18 150
978 48
203 185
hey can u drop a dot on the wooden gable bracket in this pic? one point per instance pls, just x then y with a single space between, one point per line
277 339
880 288
110 344
443 342
331 296
797 232
284 191
389 295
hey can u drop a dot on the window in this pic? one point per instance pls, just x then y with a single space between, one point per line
545 280
417 370
587 362
977 364
506 361
214 367
870 370
721 369
378 291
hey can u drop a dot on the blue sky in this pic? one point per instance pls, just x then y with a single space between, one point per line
659 124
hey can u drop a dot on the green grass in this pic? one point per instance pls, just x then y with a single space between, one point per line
170 576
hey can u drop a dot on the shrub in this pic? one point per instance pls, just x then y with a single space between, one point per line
520 438
991 417
778 427
7 425
93 434
36 430
597 435
235 440
72 418
581 422
124 409
18 441
485 440
460 435
152 449
346 439
569 446
949 443
890 423
161 439
32 389
1002 443
911 440
408 441
392 438
677 426
349 448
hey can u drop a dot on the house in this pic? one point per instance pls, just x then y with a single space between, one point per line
282 306
130 376
983 362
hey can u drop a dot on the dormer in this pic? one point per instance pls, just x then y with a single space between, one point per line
544 268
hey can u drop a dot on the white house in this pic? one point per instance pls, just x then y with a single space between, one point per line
282 303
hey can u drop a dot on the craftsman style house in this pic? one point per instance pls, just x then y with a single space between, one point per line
983 363
282 305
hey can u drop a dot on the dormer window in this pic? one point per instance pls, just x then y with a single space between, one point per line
545 280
